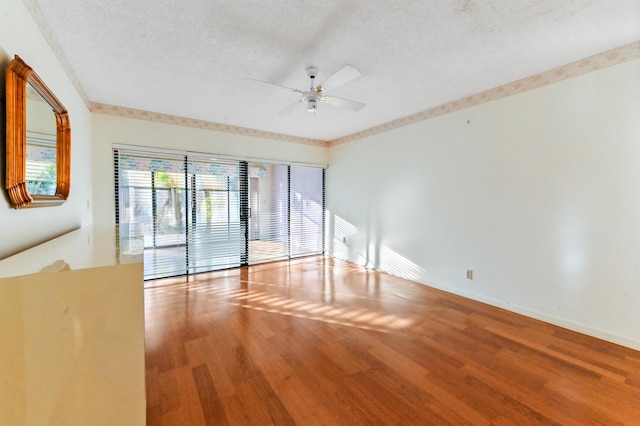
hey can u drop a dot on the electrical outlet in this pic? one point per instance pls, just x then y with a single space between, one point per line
344 240
469 274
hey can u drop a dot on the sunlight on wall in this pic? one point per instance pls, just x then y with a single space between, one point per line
571 245
345 241
339 236
395 264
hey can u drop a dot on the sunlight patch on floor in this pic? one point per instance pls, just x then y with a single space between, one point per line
283 305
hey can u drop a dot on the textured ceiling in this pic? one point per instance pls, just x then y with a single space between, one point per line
195 58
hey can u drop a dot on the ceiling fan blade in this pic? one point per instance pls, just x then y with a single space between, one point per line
342 76
277 85
290 108
344 103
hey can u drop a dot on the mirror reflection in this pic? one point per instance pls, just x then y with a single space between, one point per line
41 144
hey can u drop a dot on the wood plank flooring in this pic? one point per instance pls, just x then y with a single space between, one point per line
318 341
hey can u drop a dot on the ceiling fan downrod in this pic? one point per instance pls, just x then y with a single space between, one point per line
312 97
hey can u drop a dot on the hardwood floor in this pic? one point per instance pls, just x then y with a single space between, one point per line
318 341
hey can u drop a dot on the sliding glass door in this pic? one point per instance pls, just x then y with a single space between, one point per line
150 200
215 236
201 214
306 211
268 212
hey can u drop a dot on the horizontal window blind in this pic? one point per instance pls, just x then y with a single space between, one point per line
268 216
215 236
200 214
306 197
152 201
41 163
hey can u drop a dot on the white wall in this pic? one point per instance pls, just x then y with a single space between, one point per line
109 130
20 229
537 193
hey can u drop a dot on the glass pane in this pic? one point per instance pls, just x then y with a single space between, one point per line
152 201
306 211
41 163
215 238
170 216
41 144
268 219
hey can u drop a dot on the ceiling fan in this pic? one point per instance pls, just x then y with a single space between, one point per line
315 94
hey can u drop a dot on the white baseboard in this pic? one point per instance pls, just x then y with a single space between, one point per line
532 313
543 316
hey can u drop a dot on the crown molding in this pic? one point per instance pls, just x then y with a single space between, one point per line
603 60
38 18
198 124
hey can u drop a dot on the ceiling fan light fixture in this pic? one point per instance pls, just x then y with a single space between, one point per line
311 99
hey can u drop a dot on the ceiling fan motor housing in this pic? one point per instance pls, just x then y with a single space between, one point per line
312 72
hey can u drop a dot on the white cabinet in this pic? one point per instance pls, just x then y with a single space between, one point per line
72 334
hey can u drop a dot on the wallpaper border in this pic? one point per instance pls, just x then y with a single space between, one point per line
574 69
198 124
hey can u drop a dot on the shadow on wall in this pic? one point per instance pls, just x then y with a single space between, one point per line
345 241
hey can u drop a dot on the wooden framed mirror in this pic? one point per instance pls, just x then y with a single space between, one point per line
38 147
